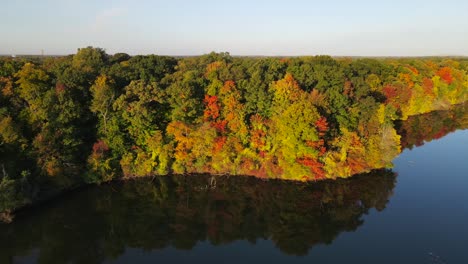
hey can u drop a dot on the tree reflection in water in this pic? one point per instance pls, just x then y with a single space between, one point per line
98 223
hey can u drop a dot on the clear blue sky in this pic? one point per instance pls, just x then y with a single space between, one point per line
241 27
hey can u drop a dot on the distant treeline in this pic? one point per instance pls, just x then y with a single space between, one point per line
93 117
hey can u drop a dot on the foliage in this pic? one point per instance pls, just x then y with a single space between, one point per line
93 117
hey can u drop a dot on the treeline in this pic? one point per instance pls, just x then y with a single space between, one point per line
94 117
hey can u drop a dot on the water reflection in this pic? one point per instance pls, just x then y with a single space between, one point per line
100 223
424 128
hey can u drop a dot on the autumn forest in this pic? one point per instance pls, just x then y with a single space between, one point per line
94 117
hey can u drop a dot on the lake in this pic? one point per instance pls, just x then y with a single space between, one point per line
415 212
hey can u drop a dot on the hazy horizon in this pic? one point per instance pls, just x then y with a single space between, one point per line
243 28
235 55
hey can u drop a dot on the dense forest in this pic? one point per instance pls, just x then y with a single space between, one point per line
93 117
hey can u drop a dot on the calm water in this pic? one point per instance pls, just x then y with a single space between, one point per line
415 213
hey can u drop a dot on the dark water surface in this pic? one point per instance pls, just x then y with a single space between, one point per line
415 213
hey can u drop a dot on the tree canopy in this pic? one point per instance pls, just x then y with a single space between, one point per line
95 117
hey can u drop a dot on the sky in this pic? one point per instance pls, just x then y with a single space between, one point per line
240 27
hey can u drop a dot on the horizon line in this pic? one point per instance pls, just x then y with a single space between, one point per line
249 55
